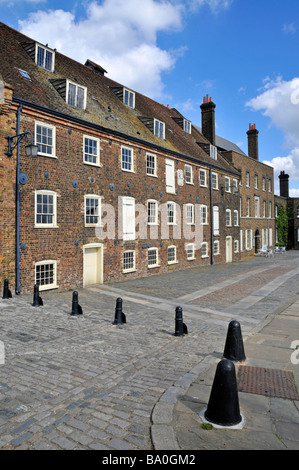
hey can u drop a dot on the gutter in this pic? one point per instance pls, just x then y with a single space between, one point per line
82 122
17 254
212 220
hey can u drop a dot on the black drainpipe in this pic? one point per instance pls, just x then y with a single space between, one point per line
17 283
212 218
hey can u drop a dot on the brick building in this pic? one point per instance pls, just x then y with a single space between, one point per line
292 204
121 186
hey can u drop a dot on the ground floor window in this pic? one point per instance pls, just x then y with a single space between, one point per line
46 274
171 254
190 248
152 257
129 260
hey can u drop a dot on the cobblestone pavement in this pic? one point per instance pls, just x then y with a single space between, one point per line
81 382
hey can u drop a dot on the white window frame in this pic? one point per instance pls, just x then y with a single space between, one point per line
53 146
213 152
248 239
170 176
235 186
228 218
248 207
204 214
187 126
151 169
98 215
128 98
76 104
96 155
202 178
159 129
236 218
130 162
216 225
190 218
188 174
132 267
190 249
128 218
216 245
247 179
215 181
171 213
153 265
152 203
204 250
227 184
53 224
256 206
255 181
53 285
172 248
46 50
236 246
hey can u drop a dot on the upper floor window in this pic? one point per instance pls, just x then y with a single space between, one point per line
187 126
127 162
76 95
92 210
129 98
152 212
264 184
171 213
188 174
44 57
227 184
128 218
247 179
45 208
256 181
204 214
228 218
159 129
91 150
202 177
214 180
45 136
151 164
236 218
189 214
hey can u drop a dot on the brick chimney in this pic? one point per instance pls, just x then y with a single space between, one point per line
284 184
208 119
253 143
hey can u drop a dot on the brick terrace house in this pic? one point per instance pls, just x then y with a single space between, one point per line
121 187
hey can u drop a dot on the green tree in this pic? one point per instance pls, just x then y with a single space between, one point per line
282 225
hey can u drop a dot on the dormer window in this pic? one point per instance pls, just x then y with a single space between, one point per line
213 152
129 98
76 95
44 57
159 129
187 126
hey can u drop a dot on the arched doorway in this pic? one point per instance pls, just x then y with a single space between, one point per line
257 241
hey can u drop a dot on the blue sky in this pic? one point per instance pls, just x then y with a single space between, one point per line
244 54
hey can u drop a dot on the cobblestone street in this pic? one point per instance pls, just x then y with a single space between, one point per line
81 382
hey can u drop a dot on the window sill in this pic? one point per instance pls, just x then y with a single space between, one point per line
154 266
46 226
172 262
125 271
40 154
97 165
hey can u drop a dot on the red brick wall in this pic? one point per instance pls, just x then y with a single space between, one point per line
7 192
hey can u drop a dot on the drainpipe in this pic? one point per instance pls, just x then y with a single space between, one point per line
212 219
17 283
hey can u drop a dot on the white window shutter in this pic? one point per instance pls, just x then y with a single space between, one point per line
128 218
170 179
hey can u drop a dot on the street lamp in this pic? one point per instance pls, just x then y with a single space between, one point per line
31 149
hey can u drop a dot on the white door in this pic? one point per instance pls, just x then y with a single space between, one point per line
92 265
229 249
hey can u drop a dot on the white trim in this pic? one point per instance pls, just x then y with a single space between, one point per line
45 192
133 268
53 146
47 286
77 85
174 261
99 198
157 257
131 169
97 156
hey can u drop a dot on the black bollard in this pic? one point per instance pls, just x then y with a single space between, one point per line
180 327
37 300
119 317
223 407
6 291
76 308
234 348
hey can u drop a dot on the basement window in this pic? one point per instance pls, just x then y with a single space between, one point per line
46 274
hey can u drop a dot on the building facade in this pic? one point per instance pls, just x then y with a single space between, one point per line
121 187
291 204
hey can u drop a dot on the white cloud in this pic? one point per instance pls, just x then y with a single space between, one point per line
289 28
294 192
120 36
279 101
215 5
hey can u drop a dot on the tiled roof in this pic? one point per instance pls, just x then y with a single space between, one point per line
103 107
